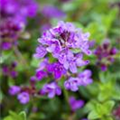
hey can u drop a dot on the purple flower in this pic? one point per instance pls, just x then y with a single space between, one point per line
72 84
40 52
80 62
113 51
23 97
33 78
57 69
51 89
103 67
14 74
82 79
43 64
52 12
69 61
85 77
13 90
41 74
5 70
75 104
6 45
67 44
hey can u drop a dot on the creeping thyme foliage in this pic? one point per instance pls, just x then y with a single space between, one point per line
59 59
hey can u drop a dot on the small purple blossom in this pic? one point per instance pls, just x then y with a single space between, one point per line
72 84
85 77
40 52
43 64
57 69
82 79
33 78
103 67
13 74
6 45
5 70
13 90
51 89
23 97
40 74
75 104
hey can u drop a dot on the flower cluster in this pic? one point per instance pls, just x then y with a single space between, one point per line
67 45
14 16
23 97
23 92
105 54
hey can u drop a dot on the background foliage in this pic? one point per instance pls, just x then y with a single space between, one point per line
102 19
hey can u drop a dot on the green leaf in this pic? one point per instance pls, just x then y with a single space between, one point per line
99 110
16 116
107 20
90 106
8 118
106 118
109 118
93 115
97 31
93 89
109 106
22 115
116 95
